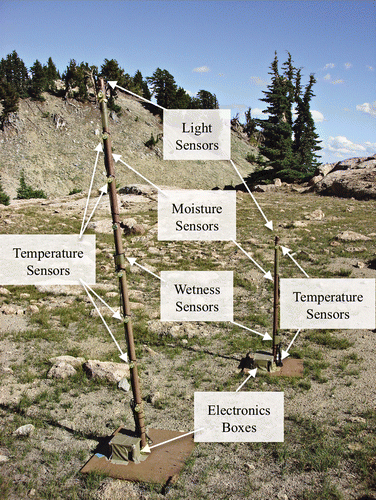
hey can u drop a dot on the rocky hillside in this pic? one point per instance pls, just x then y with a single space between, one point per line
53 143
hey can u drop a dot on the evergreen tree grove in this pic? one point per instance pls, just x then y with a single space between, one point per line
289 146
14 82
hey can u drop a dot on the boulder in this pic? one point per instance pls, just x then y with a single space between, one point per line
352 178
61 370
352 236
130 226
264 188
71 360
315 215
124 384
24 430
106 370
138 189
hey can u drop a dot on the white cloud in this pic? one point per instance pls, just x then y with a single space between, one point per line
336 82
348 65
327 76
329 65
367 108
342 147
201 69
371 147
257 113
317 116
259 82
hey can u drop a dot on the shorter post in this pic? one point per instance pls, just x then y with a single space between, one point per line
276 299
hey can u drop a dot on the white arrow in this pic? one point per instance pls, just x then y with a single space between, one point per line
116 314
179 437
269 223
267 275
117 158
265 336
98 149
103 191
286 353
286 251
123 356
132 261
252 373
114 84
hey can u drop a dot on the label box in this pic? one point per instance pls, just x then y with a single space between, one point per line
197 215
308 303
50 259
228 417
197 134
196 296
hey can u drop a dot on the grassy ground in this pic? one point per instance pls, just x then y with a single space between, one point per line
330 418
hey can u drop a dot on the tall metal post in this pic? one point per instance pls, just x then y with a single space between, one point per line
138 410
276 297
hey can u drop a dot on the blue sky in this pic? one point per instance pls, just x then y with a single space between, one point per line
222 46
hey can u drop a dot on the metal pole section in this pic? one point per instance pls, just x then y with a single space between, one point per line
276 297
138 410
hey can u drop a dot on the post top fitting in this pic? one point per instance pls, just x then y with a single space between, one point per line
101 96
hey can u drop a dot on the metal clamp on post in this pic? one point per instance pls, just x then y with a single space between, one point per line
139 408
101 97
119 258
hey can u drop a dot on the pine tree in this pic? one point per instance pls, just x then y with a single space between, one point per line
14 82
207 100
250 124
14 72
182 99
9 101
164 88
51 75
277 128
111 71
306 140
38 82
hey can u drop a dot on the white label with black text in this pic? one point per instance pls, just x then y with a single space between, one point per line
53 259
197 296
197 215
197 134
327 303
227 417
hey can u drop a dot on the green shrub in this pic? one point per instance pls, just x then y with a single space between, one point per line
25 192
152 141
4 198
251 158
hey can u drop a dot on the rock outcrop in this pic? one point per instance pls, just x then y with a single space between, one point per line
351 178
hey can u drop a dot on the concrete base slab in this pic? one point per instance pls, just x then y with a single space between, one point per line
162 466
